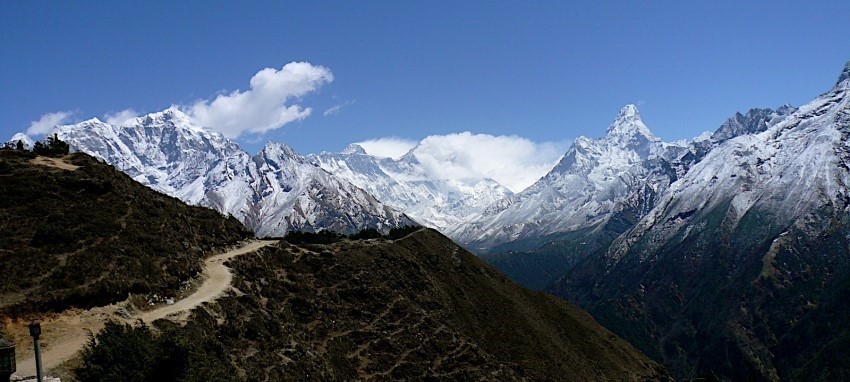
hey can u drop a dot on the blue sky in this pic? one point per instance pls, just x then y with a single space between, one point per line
548 71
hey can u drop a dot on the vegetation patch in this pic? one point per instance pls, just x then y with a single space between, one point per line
418 308
89 237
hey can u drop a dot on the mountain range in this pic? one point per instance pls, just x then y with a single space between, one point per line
273 192
741 266
79 235
279 190
437 203
723 256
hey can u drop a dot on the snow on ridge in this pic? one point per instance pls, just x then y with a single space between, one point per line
402 183
789 169
597 178
273 192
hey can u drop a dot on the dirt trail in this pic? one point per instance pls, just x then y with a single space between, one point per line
65 334
216 280
54 162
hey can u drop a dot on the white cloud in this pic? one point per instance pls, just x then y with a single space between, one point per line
332 110
390 147
120 117
48 121
335 109
264 106
513 161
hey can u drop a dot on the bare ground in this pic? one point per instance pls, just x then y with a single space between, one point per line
65 334
54 162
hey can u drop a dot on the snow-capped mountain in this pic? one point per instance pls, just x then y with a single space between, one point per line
164 151
742 268
600 179
583 188
754 121
272 192
402 184
25 140
788 169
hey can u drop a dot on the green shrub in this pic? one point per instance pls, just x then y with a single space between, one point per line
121 352
53 147
321 237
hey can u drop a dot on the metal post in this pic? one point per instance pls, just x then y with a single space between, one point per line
35 331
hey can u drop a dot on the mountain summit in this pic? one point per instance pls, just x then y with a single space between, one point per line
273 192
629 123
582 189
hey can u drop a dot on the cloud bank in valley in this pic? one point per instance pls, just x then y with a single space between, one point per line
513 161
267 105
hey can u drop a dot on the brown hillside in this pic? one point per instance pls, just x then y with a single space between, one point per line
418 308
77 233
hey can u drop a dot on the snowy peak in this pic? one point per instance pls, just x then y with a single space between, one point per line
629 111
92 121
353 149
171 117
593 178
25 139
629 125
406 185
275 150
755 121
628 141
274 192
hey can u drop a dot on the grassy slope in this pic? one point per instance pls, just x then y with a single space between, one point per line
89 236
416 308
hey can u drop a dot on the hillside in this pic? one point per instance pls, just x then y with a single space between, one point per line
417 308
75 232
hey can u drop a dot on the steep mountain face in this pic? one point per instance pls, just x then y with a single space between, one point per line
296 194
75 232
581 191
416 308
537 261
164 151
742 268
402 184
272 193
